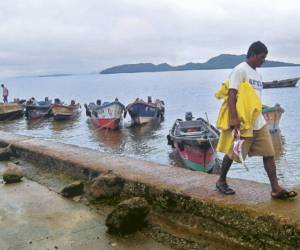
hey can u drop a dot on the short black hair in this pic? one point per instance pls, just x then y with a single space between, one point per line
2 85
257 48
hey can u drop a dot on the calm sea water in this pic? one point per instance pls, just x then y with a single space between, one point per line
182 91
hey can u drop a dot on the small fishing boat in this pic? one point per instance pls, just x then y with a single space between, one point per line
11 110
281 83
195 141
143 112
272 116
38 109
63 111
106 115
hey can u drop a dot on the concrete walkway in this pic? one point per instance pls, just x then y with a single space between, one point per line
250 216
32 217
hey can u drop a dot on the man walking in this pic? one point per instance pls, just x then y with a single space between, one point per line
5 93
260 144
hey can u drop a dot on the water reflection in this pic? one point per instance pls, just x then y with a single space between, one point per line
114 139
38 123
145 131
144 139
12 125
278 143
63 125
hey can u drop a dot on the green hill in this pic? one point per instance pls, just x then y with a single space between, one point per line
224 61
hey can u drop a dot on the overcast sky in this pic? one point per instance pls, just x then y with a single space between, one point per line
90 35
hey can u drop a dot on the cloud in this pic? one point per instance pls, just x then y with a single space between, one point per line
73 35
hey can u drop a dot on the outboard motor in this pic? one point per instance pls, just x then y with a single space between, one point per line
149 99
98 102
188 116
56 101
87 110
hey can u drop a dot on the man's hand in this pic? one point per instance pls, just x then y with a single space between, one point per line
234 121
235 126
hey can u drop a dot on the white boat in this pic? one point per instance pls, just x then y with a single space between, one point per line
272 116
106 115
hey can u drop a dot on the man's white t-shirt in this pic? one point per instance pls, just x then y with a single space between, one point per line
243 72
5 91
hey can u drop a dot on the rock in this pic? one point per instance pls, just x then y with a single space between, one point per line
12 173
5 153
128 216
105 186
74 189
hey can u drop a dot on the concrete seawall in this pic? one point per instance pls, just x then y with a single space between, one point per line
187 198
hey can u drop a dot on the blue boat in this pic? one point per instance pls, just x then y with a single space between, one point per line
143 112
37 109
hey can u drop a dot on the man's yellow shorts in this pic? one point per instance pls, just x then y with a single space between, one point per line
258 145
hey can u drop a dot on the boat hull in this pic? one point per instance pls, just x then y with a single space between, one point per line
143 119
32 112
199 158
272 116
36 114
65 112
195 142
105 123
107 115
281 84
11 115
60 117
142 113
10 111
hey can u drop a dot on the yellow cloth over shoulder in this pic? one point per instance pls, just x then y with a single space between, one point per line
248 107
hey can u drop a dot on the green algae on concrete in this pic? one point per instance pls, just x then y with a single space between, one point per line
250 218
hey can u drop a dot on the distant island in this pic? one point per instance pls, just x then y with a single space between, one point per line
224 61
55 75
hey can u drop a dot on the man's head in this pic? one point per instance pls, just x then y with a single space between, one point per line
257 54
2 85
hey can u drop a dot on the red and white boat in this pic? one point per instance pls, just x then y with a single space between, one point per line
106 115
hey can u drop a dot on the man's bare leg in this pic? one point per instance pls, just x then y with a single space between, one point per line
222 183
270 168
226 164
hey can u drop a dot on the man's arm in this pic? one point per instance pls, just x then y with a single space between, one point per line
234 122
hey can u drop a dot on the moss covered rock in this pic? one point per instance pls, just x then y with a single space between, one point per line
12 173
106 186
129 216
73 189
